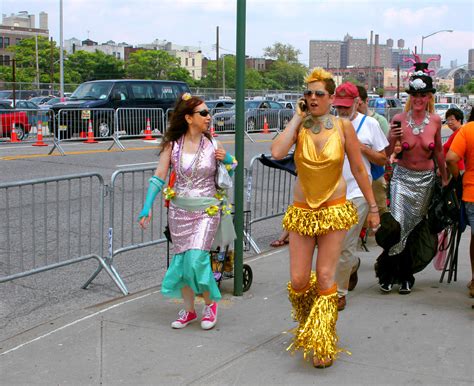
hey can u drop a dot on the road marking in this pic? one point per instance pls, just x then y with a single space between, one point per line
142 163
27 156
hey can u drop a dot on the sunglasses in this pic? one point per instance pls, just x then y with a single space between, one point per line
419 95
202 113
317 93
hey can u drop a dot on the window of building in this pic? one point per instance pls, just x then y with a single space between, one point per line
6 42
186 62
18 40
1 41
193 62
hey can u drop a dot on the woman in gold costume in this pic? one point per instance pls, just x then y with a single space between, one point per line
320 213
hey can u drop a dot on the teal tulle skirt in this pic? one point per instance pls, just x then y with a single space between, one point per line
192 269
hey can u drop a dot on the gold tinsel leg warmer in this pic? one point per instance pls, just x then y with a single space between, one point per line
302 301
317 336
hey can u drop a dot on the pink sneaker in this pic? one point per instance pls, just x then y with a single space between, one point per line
184 319
209 316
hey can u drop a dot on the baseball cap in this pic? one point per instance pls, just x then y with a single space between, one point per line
345 95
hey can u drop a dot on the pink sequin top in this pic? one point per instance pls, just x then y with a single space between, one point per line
195 177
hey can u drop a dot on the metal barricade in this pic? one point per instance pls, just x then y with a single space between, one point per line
266 121
269 192
127 192
52 222
74 124
138 122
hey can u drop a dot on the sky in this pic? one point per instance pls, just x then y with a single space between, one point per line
294 22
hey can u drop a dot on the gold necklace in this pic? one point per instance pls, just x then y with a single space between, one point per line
315 124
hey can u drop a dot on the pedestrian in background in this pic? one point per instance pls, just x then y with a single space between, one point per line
413 179
320 213
379 185
454 119
462 148
372 144
195 210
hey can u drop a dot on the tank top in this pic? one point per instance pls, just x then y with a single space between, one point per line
319 171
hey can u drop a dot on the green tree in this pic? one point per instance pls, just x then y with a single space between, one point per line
287 75
467 88
148 64
94 65
283 52
444 88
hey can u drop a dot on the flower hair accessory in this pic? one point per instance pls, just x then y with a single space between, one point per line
186 96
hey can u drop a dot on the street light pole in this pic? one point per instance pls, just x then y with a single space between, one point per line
61 53
434 33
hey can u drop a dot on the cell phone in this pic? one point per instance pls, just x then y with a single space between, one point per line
302 105
397 123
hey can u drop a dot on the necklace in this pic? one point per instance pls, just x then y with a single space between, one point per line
194 166
315 124
416 129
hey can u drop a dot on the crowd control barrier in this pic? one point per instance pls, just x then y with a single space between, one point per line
52 222
127 192
269 190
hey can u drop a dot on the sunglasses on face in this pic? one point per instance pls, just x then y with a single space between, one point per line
317 93
419 95
202 113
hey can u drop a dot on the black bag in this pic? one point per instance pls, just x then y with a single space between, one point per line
444 209
422 246
389 232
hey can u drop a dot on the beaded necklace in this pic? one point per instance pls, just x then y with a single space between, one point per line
189 179
416 129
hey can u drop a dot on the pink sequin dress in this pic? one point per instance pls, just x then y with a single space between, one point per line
195 177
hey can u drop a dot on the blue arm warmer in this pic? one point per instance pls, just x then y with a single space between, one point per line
156 184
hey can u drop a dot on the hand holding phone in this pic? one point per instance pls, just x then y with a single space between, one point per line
301 107
396 128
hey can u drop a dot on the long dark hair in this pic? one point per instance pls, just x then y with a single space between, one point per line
178 125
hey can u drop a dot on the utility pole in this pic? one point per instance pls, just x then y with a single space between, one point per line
61 53
51 68
217 57
369 83
398 81
37 64
14 81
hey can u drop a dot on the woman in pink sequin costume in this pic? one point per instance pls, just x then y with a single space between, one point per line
196 208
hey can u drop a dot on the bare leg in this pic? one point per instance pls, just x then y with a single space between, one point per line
206 297
329 249
188 297
301 257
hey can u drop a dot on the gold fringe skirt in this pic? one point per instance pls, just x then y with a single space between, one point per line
314 222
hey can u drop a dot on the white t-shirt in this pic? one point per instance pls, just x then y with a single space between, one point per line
371 135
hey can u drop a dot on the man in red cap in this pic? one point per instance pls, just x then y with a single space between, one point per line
372 146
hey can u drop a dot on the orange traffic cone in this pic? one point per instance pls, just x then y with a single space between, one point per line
148 136
213 131
82 133
90 134
39 137
265 126
14 137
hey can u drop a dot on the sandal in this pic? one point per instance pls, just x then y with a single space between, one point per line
322 363
278 243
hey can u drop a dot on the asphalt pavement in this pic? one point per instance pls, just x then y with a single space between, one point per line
422 338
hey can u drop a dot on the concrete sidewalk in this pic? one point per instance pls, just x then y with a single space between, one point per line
423 338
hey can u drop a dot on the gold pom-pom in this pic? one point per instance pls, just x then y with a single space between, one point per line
302 301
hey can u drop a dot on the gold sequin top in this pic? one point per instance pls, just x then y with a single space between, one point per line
319 171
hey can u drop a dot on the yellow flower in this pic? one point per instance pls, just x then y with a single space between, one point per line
186 96
220 194
212 210
169 193
227 209
228 167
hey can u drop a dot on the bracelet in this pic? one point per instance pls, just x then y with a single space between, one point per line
373 206
374 211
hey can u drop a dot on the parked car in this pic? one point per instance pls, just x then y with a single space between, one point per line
441 108
39 100
256 113
388 107
10 118
19 94
219 105
34 112
110 95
